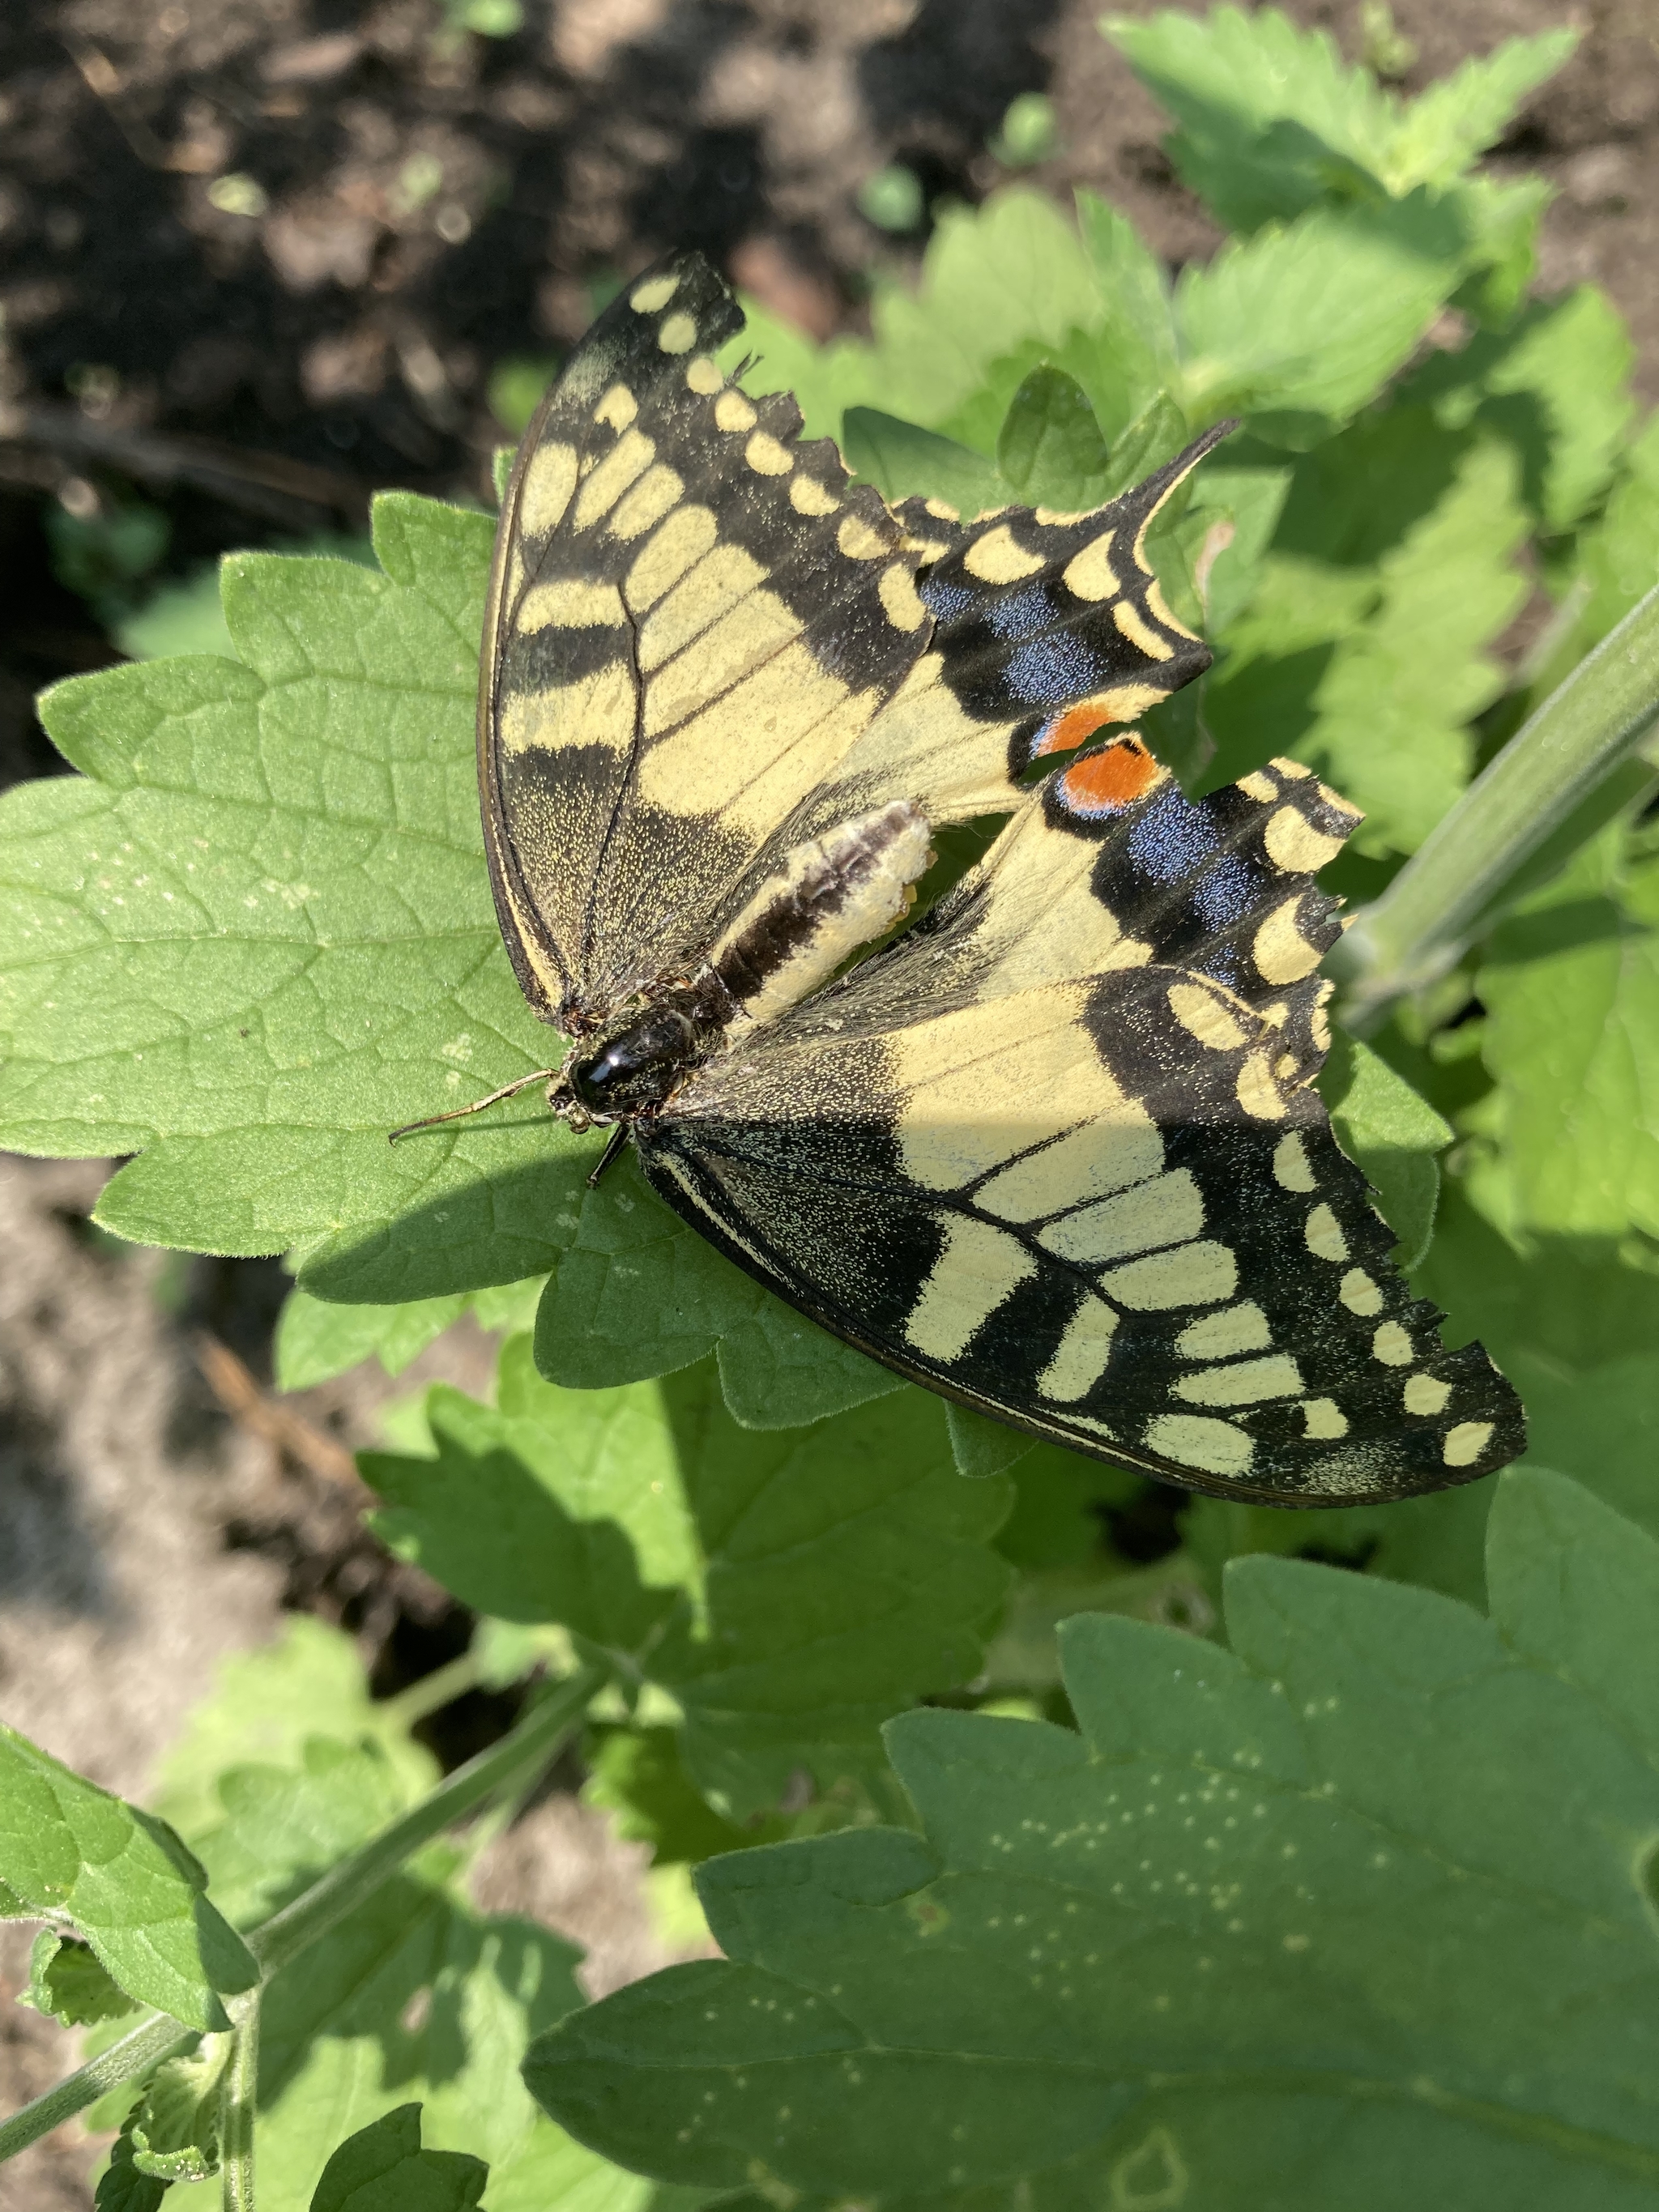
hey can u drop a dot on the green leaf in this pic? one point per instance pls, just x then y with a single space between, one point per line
175 2128
1556 384
217 962
550 2173
123 2188
284 1769
638 1293
1051 449
265 1709
993 276
413 1995
69 1851
1234 82
1572 988
1393 1134
1138 331
316 1340
637 1776
1300 326
382 2168
1271 119
791 1589
1364 650
67 1982
980 1446
1618 560
900 460
1454 120
1363 1898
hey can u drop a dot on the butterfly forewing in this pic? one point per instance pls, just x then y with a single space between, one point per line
706 647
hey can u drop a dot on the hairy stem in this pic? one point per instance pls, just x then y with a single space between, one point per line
156 2037
1432 909
345 1886
238 2102
532 1744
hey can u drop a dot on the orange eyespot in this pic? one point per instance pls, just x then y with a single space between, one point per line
1106 781
1070 730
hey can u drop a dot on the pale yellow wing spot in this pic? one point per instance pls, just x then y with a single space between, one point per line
1392 1345
592 710
974 1101
998 558
703 376
1190 1440
733 414
1089 575
1323 1421
569 604
899 600
1256 1091
1292 1170
1128 617
1200 1274
1425 1394
1160 607
677 546
629 458
1245 1382
1360 1294
858 541
1280 949
759 629
1083 1165
1465 1444
656 292
657 493
1081 1357
979 1269
1294 845
544 495
617 408
1169 1210
1323 1234
1224 1335
807 496
1205 1017
1261 787
725 579
940 510
678 333
767 457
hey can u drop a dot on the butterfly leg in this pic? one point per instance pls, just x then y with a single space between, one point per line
618 1139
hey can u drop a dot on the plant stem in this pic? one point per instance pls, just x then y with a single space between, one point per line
433 1692
154 2038
533 1743
1422 922
238 2102
344 1887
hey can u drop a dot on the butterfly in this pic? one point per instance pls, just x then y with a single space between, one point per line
1053 1150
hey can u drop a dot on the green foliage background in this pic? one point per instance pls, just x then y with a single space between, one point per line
1262 1879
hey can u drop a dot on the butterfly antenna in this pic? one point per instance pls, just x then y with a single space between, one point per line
460 1113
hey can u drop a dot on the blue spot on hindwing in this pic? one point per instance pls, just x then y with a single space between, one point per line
1021 613
1225 892
1053 670
1171 839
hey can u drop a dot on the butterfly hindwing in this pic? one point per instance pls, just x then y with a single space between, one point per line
1077 1174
